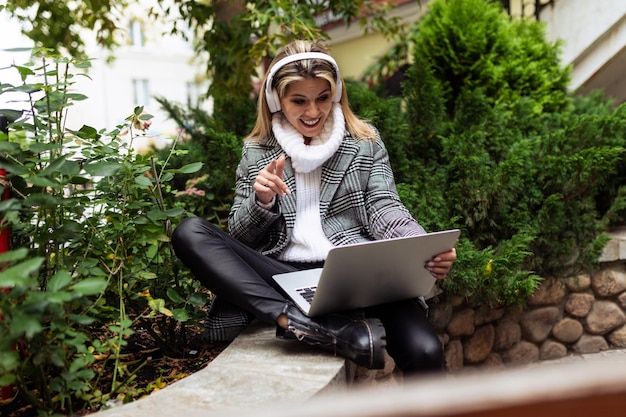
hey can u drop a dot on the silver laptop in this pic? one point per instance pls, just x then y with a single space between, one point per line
367 274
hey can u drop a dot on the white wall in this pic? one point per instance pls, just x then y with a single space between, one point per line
164 61
580 23
594 35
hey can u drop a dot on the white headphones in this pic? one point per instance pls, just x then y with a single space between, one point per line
271 95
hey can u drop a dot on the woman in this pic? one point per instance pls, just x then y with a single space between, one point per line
312 176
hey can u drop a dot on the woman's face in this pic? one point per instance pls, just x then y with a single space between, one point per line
306 105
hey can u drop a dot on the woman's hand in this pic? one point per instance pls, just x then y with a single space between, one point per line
440 265
269 182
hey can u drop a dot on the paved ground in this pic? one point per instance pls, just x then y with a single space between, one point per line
617 356
389 377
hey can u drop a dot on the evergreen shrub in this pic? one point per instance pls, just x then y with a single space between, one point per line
497 146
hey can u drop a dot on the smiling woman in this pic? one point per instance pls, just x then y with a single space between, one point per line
312 176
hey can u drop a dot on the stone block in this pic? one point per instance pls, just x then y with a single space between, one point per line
478 347
454 355
578 283
507 334
552 350
611 281
550 292
618 337
462 323
579 304
590 344
604 317
536 324
567 330
522 353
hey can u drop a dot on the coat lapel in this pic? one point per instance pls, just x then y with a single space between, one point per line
288 202
334 171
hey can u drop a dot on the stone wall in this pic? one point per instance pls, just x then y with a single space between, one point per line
581 314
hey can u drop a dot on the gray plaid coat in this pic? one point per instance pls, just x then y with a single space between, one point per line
359 200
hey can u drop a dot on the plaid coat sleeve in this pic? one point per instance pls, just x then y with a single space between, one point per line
261 229
359 197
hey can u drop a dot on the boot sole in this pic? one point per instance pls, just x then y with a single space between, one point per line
378 342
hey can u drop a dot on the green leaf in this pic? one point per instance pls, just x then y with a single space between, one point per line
198 299
13 168
76 96
54 166
90 286
81 319
180 314
78 180
156 215
59 297
43 182
41 147
174 212
13 255
83 64
59 281
70 168
11 115
9 360
174 296
86 132
146 275
20 273
26 325
9 147
143 181
103 168
6 379
40 199
190 168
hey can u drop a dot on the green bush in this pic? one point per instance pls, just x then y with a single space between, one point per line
474 44
499 146
207 193
90 226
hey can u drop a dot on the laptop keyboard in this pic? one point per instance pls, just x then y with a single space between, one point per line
307 292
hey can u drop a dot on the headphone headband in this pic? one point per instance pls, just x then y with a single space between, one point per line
271 95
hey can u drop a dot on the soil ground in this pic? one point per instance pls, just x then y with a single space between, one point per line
153 370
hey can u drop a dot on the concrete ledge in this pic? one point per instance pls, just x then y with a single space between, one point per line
615 249
591 387
255 369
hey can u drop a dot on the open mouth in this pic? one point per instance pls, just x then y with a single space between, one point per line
310 123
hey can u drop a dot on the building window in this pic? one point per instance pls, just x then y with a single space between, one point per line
137 36
141 92
193 94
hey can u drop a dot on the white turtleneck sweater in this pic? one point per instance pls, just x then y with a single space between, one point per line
308 242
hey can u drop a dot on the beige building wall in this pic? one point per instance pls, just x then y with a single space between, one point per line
354 56
355 51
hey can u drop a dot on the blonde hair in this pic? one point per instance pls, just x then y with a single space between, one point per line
298 71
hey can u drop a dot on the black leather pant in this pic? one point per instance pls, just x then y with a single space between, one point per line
243 277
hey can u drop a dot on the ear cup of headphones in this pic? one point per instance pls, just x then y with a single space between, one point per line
338 88
273 101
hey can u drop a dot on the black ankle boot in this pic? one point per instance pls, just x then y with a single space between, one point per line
360 340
